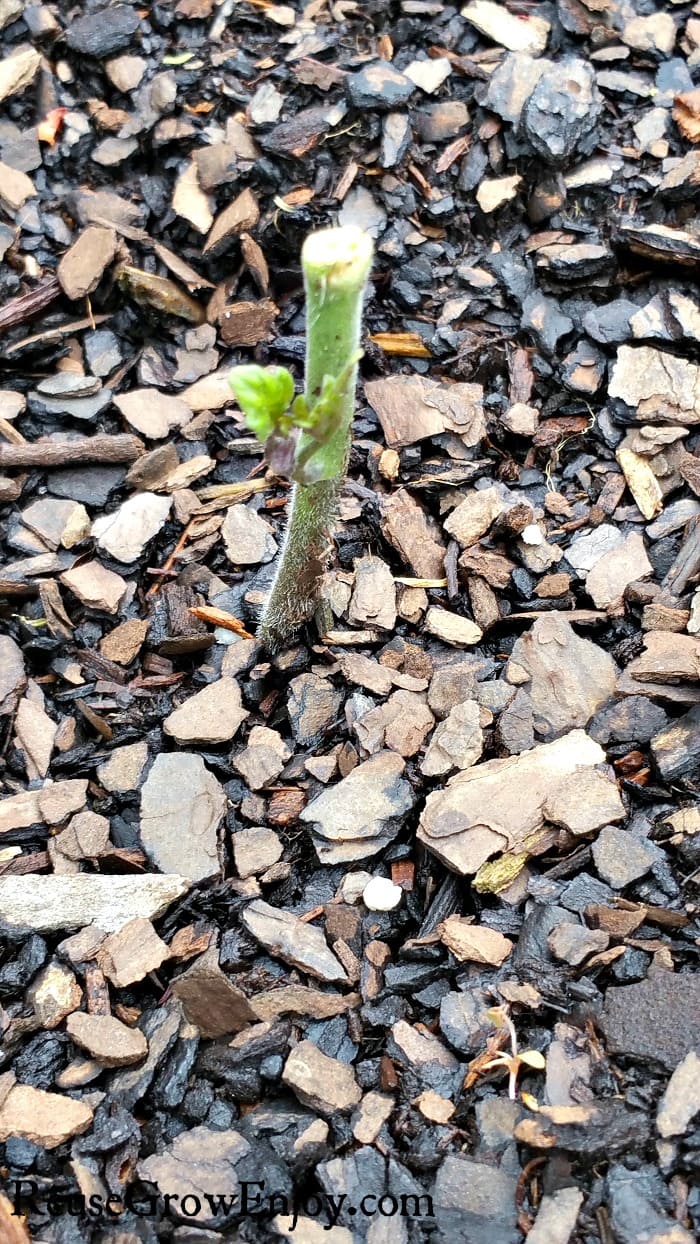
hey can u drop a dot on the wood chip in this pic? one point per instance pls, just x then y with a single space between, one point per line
190 201
45 1119
408 345
130 954
123 644
18 71
248 323
84 263
239 217
411 408
642 482
473 943
686 114
95 586
451 628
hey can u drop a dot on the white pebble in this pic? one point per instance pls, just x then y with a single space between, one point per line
532 534
380 894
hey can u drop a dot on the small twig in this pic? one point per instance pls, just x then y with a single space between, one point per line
11 433
170 560
451 558
56 332
53 453
525 1221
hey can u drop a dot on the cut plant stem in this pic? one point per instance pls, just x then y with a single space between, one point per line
336 265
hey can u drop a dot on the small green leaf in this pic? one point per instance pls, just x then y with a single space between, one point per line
264 394
178 58
302 416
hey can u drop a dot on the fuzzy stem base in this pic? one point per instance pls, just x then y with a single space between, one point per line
302 561
336 265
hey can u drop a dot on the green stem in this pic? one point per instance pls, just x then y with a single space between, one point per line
336 265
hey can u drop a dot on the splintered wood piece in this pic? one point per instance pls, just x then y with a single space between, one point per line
97 722
478 1065
190 941
255 262
174 629
221 617
661 243
411 345
20 866
345 181
686 565
239 217
180 269
456 149
689 467
57 332
11 434
19 310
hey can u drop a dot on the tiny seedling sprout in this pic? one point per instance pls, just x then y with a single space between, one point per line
513 1061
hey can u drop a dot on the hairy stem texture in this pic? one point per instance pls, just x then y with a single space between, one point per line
336 265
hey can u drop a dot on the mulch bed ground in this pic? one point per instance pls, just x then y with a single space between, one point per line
392 935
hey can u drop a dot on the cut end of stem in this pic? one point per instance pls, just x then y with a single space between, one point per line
341 257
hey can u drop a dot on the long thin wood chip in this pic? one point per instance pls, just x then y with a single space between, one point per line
221 617
232 492
453 152
411 345
57 331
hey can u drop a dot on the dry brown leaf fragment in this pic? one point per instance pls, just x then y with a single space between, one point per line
160 293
